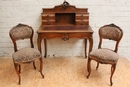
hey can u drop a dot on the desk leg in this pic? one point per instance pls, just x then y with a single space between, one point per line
90 49
90 44
85 47
39 44
45 47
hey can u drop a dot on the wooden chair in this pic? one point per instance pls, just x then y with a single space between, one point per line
105 55
24 55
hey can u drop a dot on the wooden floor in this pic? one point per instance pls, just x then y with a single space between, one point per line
64 72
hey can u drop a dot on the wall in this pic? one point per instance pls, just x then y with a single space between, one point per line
28 12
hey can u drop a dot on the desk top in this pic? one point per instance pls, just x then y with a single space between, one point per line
64 29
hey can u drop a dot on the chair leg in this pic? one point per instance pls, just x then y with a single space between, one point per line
19 68
17 71
41 67
97 65
34 65
113 67
89 67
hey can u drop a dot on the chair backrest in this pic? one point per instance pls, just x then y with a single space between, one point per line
20 32
111 32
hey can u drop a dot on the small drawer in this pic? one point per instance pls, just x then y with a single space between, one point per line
48 17
82 22
49 22
82 17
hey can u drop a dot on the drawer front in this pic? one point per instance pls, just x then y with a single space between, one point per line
80 35
48 19
82 16
50 22
64 36
82 22
82 19
50 35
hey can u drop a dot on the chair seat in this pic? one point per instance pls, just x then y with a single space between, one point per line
104 55
26 55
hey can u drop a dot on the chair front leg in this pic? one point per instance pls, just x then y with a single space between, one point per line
19 68
113 67
89 67
17 71
41 66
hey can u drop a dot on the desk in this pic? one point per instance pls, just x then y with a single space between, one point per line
64 21
53 31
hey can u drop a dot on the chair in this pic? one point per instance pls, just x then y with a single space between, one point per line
24 55
106 55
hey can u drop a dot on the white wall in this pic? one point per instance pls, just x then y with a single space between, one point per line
28 12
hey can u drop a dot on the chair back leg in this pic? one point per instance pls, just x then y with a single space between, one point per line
97 65
34 65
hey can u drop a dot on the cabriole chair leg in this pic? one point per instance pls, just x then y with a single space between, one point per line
40 59
19 68
89 67
17 71
113 67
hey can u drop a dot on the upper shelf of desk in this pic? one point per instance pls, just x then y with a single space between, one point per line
69 15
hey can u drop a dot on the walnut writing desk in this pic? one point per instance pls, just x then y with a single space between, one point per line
64 22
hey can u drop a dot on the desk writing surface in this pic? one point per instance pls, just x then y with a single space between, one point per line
67 29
